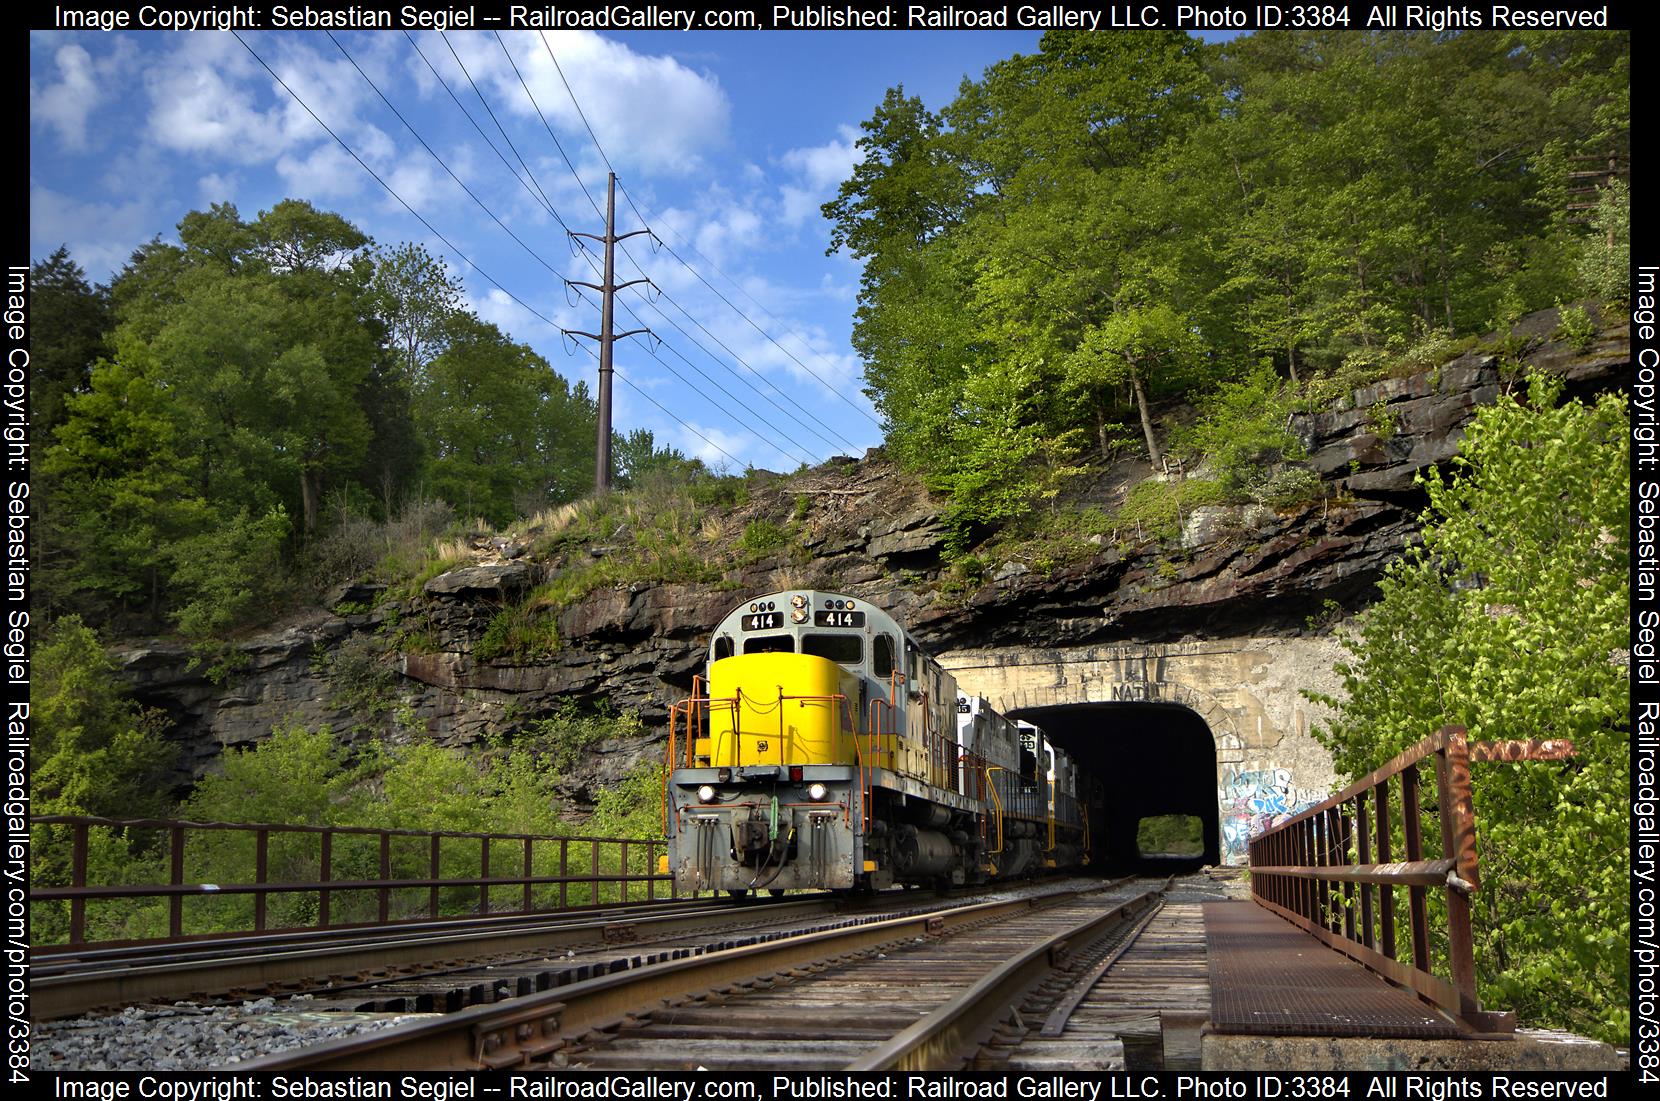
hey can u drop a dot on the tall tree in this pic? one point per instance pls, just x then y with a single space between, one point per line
416 296
499 424
69 319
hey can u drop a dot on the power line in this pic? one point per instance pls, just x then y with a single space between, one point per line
556 143
537 107
407 125
389 189
670 250
532 188
462 255
729 351
645 221
583 115
488 110
594 355
590 260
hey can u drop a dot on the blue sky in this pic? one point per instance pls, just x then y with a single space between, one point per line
727 141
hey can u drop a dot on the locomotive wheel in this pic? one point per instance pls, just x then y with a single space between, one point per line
776 892
738 895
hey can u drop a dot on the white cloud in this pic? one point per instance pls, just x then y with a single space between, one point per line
819 171
499 308
65 105
327 172
716 448
217 188
649 113
824 167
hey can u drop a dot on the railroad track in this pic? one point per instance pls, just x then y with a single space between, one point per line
918 991
431 967
325 962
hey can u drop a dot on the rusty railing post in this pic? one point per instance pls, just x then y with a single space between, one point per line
325 872
564 873
434 865
1414 852
77 878
593 871
175 877
528 872
1452 790
262 868
1386 893
385 893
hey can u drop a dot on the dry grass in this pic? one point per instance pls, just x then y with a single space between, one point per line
453 550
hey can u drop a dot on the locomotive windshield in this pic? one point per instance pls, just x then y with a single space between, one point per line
770 644
842 649
881 657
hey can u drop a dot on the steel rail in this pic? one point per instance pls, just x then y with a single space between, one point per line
1055 1023
513 1033
70 993
58 959
949 1036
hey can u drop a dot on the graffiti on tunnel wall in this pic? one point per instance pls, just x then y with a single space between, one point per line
1252 800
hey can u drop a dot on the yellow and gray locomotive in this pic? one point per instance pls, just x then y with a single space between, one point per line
825 749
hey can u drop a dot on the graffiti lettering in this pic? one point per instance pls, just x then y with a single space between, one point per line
1253 800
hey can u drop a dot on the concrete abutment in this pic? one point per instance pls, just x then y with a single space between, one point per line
1139 715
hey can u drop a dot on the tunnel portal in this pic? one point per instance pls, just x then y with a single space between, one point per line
1151 761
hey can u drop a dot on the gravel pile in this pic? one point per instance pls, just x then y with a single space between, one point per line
184 1036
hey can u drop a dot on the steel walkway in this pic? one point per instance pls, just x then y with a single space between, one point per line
1269 978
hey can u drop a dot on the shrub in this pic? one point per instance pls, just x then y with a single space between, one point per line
1575 328
1511 620
1605 257
1243 429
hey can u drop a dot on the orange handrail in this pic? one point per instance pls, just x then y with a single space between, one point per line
997 804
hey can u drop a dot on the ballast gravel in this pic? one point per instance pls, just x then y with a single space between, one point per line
184 1036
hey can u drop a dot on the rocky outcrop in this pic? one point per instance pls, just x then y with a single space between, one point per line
869 530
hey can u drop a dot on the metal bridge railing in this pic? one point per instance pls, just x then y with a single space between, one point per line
1333 869
226 879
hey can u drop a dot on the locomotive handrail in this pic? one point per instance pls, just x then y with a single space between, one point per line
997 802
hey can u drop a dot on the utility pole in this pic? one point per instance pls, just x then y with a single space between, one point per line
605 337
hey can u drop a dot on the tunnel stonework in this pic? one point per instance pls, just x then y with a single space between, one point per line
1248 691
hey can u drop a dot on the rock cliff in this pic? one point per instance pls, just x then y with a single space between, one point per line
868 529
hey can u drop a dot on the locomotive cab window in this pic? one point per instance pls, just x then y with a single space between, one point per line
841 649
881 657
770 644
723 647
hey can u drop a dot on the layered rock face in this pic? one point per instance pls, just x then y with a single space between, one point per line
872 531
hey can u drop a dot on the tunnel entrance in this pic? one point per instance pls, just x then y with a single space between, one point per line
1156 767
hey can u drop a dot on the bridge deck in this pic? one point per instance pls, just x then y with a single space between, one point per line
1269 978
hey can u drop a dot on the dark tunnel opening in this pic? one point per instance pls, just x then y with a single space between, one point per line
1151 760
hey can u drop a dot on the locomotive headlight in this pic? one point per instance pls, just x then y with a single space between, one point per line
818 793
798 601
706 794
798 616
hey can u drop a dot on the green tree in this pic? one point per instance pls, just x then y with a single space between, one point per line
503 430
95 750
1138 347
417 298
69 319
1510 620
